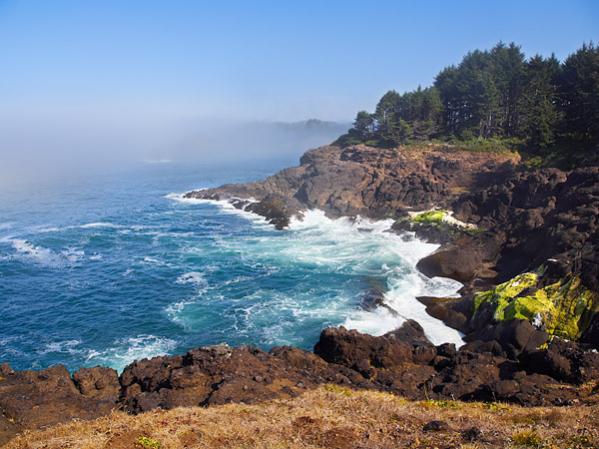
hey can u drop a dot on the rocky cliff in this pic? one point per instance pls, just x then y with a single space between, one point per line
372 182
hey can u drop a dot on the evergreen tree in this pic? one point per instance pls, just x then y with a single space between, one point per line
364 125
537 107
578 87
386 118
508 71
496 93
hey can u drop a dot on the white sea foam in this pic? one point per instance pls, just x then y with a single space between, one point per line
358 246
193 277
73 255
224 205
176 314
95 225
368 247
66 346
152 261
99 224
128 350
38 254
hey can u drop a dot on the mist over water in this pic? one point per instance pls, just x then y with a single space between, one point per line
35 151
119 268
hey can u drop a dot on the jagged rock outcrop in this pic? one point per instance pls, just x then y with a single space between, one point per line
372 182
540 215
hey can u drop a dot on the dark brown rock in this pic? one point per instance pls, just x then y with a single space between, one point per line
98 382
38 399
373 182
348 347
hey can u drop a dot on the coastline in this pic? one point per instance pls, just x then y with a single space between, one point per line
514 360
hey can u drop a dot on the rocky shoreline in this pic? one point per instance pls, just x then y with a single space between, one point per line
529 309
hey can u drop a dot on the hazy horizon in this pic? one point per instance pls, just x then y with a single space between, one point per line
101 83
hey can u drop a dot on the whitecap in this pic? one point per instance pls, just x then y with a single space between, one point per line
38 254
99 224
369 248
126 351
64 346
73 255
193 277
152 261
175 312
224 205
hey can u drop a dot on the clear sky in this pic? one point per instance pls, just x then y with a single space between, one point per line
278 60
88 85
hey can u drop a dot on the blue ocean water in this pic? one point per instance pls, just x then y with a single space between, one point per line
117 267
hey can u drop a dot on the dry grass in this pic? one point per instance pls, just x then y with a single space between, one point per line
330 417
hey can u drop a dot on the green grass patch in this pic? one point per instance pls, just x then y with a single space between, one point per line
434 403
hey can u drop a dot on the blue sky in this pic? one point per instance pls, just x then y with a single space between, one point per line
258 60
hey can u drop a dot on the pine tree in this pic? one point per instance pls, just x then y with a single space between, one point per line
537 107
579 97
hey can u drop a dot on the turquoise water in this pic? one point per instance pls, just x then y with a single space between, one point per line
113 268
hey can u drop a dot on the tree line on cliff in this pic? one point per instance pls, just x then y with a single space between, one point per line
540 103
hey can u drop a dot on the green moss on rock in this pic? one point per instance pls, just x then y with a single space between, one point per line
564 308
430 217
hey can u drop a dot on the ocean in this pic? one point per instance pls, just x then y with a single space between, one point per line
110 268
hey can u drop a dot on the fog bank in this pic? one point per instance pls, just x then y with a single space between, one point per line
55 149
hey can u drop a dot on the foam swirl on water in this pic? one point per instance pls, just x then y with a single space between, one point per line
351 246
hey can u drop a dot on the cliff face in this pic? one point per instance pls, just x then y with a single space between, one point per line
373 182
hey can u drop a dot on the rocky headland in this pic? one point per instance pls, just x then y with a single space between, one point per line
524 242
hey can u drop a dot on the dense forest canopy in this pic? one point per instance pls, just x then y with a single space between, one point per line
540 103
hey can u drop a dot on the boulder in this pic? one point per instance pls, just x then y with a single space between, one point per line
350 347
98 382
459 262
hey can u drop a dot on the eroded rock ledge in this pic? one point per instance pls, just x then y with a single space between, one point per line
372 182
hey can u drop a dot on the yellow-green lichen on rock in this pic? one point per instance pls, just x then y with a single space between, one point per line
563 308
430 217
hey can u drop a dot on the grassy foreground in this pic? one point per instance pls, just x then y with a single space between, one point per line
332 417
